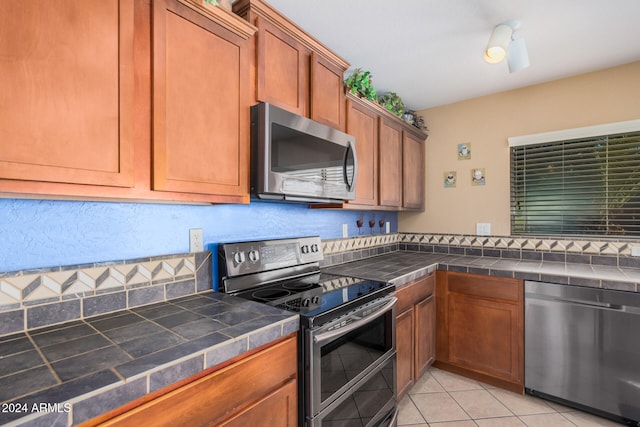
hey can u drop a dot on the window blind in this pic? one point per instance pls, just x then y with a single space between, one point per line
583 186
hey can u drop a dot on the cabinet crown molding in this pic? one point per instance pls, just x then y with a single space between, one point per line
260 8
228 20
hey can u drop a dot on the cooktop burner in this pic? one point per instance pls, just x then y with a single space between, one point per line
298 286
316 294
269 294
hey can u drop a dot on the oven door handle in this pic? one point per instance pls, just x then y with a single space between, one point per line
394 419
355 325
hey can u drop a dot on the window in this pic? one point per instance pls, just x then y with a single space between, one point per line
588 185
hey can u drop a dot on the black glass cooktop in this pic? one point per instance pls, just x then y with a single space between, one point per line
318 296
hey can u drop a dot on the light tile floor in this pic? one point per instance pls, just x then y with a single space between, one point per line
443 399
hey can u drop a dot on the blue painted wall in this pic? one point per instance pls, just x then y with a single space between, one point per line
43 233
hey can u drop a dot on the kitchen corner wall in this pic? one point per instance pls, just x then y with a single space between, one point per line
45 233
606 96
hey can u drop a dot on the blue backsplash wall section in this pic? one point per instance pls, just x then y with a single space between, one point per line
45 233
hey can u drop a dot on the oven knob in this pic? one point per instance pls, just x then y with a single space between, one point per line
305 302
314 248
238 257
254 255
305 249
315 299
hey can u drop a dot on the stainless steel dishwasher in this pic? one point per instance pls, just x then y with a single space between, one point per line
582 348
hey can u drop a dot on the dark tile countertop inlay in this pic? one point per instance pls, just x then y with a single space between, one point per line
163 342
402 267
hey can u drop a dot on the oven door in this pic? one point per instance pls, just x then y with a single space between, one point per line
342 352
371 402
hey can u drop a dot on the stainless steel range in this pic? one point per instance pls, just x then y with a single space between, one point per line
347 351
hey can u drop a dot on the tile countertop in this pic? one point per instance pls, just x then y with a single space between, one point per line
70 373
404 267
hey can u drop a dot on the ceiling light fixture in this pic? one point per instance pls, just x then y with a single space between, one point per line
498 44
502 44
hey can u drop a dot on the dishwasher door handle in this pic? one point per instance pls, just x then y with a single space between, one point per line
585 303
593 304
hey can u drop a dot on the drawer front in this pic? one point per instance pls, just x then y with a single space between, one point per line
415 292
499 288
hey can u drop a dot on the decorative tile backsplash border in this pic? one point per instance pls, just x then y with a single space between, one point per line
577 246
337 251
607 252
35 298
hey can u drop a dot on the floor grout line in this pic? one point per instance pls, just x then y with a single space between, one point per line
524 410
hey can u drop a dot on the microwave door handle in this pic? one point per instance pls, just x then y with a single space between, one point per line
350 180
355 325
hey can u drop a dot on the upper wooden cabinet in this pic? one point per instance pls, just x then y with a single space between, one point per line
122 99
402 165
390 169
66 92
200 102
293 70
391 159
327 92
413 170
282 68
362 122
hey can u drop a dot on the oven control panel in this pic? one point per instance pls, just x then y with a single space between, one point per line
257 256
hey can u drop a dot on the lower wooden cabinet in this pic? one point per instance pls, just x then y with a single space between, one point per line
276 409
260 389
415 331
404 351
480 330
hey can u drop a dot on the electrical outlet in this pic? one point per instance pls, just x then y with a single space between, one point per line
635 250
483 229
345 230
195 240
387 227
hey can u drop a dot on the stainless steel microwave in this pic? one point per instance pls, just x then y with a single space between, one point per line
298 159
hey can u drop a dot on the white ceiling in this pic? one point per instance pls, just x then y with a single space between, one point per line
430 51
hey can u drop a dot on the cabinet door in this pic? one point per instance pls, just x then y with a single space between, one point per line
404 351
390 171
66 92
282 69
425 335
484 317
483 335
200 103
413 171
363 124
327 93
276 409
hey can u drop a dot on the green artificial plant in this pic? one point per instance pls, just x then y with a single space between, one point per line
393 103
362 82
